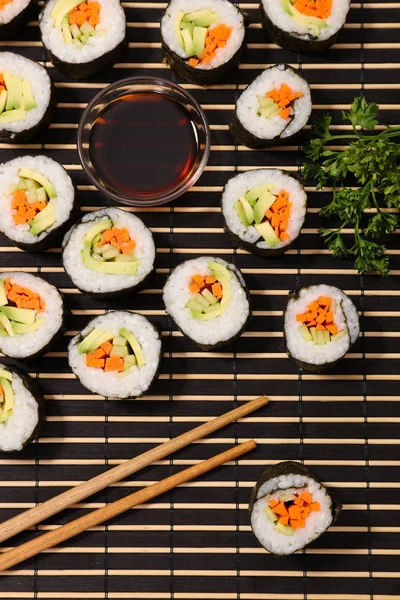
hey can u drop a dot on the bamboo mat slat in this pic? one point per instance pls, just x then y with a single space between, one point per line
195 542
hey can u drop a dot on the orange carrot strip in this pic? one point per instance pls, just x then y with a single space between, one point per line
315 506
284 520
306 496
114 363
280 509
324 301
107 347
332 329
194 288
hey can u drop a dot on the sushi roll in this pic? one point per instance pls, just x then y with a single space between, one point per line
290 508
109 252
264 210
14 14
37 201
21 409
26 103
117 355
272 109
202 39
302 25
31 314
208 300
81 38
321 325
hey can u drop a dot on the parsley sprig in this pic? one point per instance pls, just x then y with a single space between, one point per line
374 163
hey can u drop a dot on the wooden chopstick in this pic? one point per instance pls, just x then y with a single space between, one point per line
65 532
54 505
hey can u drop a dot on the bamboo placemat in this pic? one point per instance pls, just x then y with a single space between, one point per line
196 543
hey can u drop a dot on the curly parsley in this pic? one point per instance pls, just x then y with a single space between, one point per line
374 162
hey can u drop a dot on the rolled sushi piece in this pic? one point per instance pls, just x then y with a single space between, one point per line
264 210
21 409
37 201
109 252
117 355
208 300
81 38
272 109
202 39
14 14
304 26
321 325
26 103
290 508
31 314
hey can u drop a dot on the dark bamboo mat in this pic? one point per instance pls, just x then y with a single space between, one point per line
196 543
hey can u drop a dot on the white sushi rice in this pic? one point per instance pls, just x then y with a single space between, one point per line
112 20
316 523
25 416
176 295
248 106
40 84
10 11
281 19
138 379
345 317
91 281
62 204
238 186
25 344
229 16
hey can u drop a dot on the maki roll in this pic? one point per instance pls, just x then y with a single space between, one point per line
264 210
31 314
25 98
290 508
202 39
272 109
37 201
21 409
82 38
14 14
117 355
208 300
321 325
304 25
108 253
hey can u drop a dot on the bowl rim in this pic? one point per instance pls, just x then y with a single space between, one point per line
176 193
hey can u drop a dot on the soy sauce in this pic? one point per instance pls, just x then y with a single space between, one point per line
144 143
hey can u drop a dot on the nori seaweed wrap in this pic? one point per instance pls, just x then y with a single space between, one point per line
321 325
273 108
202 39
290 508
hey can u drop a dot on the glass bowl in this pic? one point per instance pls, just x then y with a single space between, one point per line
115 93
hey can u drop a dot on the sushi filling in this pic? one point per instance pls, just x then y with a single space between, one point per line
32 209
6 395
79 21
210 293
268 212
318 323
200 36
109 249
16 98
103 350
20 309
311 14
290 510
278 102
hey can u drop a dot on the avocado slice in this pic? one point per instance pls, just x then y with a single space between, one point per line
29 101
96 229
267 232
199 40
3 297
13 115
265 102
44 182
187 25
287 6
43 220
270 111
337 336
178 33
313 23
17 100
202 18
188 42
202 300
306 335
238 206
129 361
89 343
264 202
271 516
285 529
66 31
111 253
62 8
248 209
3 100
220 271
134 344
9 81
6 374
21 315
41 194
219 309
25 328
253 195
6 323
195 306
109 268
8 394
105 336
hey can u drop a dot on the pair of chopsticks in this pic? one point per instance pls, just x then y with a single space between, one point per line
49 508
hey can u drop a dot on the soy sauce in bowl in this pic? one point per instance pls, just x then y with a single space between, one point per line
145 145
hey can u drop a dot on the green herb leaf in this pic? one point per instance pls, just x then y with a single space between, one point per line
334 241
381 224
370 257
362 113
